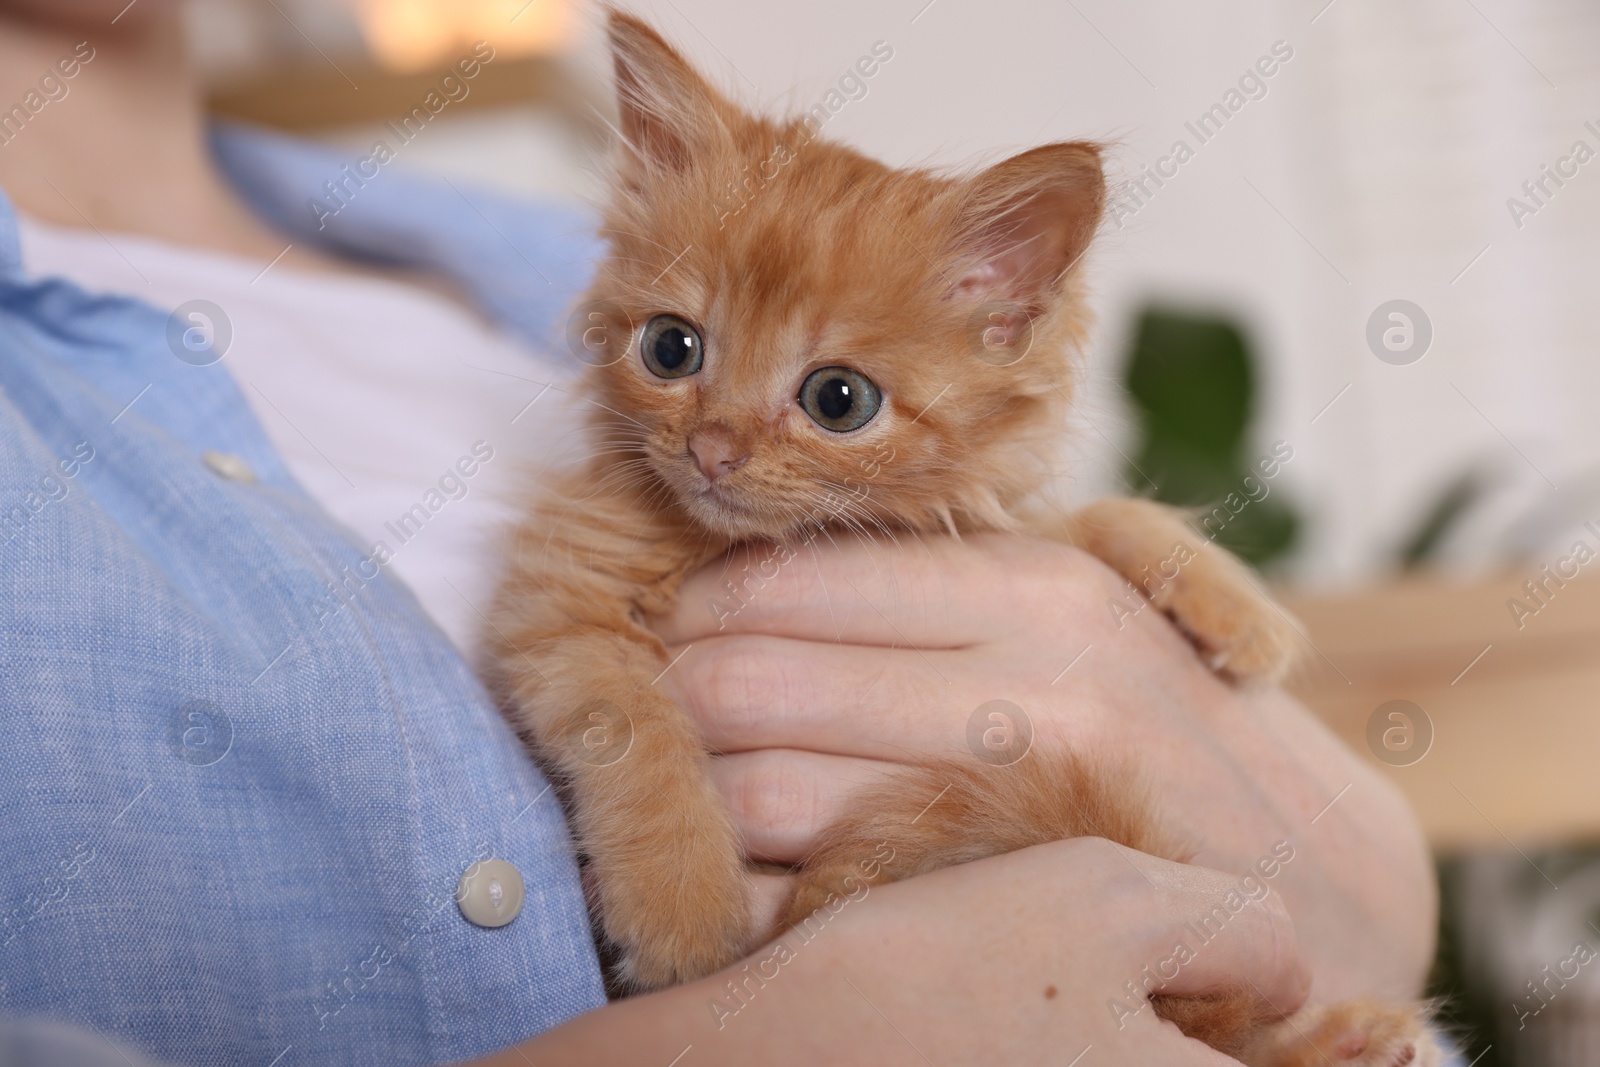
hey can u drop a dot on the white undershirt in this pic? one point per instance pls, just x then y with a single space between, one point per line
371 390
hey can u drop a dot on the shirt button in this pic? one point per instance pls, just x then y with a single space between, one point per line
228 466
490 893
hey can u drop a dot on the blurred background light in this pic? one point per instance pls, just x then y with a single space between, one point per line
411 35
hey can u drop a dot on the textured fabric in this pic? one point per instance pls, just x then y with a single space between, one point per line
376 423
231 821
522 266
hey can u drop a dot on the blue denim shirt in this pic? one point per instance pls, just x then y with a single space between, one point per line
232 828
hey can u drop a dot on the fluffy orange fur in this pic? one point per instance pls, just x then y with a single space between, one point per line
960 300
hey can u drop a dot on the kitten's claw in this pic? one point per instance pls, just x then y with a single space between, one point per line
1357 1034
1205 591
1239 632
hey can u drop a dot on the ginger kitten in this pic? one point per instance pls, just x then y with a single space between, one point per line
758 363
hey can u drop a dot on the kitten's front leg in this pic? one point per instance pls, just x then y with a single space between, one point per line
578 671
1206 590
665 862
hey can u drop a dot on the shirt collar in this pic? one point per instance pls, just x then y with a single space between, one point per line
521 261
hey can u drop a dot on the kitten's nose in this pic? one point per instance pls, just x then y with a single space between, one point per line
714 452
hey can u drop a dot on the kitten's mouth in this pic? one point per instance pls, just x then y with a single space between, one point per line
719 508
718 497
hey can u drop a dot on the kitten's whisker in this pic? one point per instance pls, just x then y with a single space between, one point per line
849 504
603 407
850 522
612 481
608 428
621 451
633 452
893 538
633 463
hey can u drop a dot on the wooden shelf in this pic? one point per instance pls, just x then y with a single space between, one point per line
312 97
1515 712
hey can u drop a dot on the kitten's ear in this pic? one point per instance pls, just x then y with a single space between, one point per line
1027 222
669 113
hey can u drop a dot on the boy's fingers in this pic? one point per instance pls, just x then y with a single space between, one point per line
782 799
929 592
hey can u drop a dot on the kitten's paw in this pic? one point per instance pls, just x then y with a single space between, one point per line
1355 1034
1238 630
677 912
1206 591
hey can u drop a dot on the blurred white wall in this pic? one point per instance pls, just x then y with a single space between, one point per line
1376 166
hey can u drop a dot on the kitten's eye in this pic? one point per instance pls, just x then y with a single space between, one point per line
839 399
671 347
